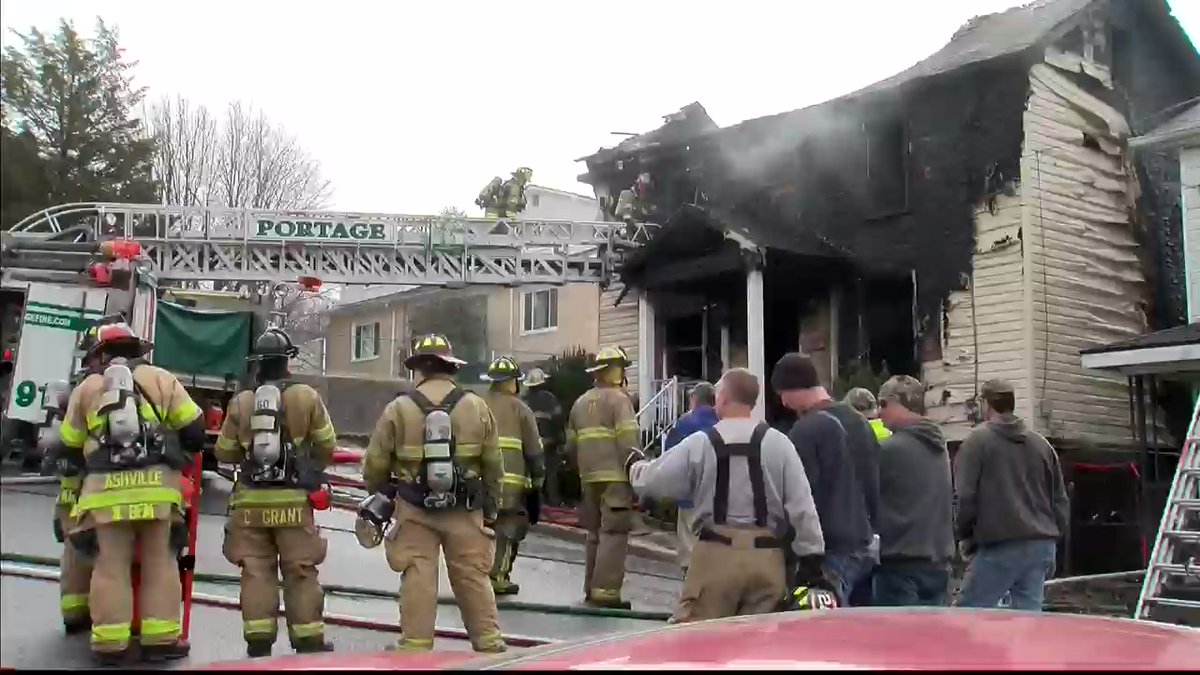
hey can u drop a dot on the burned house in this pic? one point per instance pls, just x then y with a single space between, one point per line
978 215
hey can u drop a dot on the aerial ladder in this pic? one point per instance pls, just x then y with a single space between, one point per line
1170 590
188 243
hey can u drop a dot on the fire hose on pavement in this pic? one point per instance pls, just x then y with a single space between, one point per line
337 589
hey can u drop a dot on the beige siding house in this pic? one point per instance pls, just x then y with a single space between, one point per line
371 337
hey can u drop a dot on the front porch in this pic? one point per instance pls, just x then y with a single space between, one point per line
709 301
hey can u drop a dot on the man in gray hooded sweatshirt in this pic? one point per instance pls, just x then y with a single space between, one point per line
1012 506
916 501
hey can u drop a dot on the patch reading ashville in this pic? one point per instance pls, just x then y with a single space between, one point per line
133 479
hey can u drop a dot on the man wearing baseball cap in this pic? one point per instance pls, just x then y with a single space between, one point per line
1012 506
916 501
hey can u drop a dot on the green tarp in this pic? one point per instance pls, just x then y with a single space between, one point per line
211 343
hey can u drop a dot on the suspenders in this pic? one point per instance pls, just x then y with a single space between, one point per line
752 451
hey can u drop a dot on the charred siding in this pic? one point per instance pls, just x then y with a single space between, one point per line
985 319
1087 282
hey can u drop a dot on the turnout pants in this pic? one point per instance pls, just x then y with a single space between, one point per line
743 574
75 574
111 595
469 550
511 528
263 553
608 517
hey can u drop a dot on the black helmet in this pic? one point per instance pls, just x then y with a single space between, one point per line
273 343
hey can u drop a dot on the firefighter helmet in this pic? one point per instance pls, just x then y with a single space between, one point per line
273 343
503 368
117 333
610 356
87 340
535 377
434 346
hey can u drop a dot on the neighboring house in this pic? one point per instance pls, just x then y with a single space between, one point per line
372 337
370 334
978 215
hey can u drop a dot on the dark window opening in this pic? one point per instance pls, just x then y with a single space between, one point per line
887 167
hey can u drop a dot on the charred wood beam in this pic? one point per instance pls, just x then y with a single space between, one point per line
659 276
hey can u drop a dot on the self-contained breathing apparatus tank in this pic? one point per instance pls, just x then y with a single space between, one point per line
129 439
54 404
271 454
440 470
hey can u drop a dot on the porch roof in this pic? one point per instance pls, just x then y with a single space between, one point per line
1164 352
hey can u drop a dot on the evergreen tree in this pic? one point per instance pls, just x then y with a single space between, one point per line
68 101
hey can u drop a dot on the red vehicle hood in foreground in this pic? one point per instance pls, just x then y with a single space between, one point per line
844 639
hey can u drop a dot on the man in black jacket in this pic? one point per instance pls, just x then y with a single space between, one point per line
1012 506
822 442
916 505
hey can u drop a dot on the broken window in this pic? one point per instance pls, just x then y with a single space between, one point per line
887 167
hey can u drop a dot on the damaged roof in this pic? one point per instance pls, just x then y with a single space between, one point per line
1183 129
691 120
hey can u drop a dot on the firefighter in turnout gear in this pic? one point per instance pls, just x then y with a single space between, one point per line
524 468
75 570
438 443
602 431
280 436
546 410
130 496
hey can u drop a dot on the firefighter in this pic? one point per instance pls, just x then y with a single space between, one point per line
864 402
602 431
130 496
524 468
546 410
75 570
281 438
439 443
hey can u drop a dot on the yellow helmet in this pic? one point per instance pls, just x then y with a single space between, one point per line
610 356
503 368
433 345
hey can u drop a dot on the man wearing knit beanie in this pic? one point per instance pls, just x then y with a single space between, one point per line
823 441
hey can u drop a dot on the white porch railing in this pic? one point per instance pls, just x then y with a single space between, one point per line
658 415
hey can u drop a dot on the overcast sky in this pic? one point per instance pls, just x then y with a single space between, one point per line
412 106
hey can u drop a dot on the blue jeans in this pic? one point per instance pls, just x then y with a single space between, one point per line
1017 568
911 583
845 570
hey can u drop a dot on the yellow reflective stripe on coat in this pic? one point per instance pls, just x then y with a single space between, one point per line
571 434
268 497
73 601
517 480
605 477
71 437
225 444
68 490
259 626
325 434
596 433
628 425
412 452
182 414
510 443
111 498
307 630
467 450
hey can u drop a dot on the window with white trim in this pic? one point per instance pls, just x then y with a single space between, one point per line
539 310
366 341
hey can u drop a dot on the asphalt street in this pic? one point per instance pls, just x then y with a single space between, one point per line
550 571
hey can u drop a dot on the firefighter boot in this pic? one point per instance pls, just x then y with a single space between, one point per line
259 648
165 652
311 645
110 659
501 583
76 625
